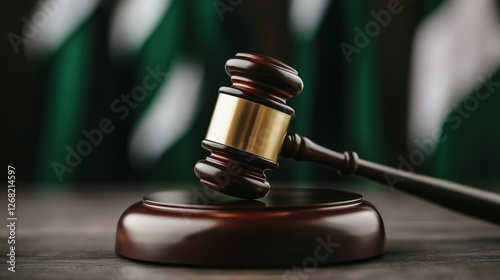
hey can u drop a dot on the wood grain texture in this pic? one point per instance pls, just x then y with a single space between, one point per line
70 235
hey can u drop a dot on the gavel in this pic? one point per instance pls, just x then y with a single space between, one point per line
248 133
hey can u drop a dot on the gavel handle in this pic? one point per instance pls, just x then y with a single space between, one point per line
465 199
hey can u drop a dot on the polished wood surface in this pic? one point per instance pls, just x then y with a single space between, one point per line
290 226
70 235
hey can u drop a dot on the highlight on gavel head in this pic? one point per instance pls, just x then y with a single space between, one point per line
248 126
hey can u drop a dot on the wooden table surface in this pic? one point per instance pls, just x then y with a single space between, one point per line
70 235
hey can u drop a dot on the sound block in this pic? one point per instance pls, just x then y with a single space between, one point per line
303 227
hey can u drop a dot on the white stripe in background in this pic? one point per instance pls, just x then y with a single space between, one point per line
52 22
132 23
170 114
306 17
453 47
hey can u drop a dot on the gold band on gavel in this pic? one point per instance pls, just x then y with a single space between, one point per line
248 126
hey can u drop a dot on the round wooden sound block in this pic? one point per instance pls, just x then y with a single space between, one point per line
303 227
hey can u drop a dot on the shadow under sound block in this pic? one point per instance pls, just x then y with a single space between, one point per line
287 227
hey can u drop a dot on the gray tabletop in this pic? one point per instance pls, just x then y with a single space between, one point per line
69 234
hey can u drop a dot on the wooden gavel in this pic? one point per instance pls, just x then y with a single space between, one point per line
248 132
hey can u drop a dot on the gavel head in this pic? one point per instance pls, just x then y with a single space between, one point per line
248 126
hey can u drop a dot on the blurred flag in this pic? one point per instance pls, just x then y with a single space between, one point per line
61 34
171 122
456 50
128 87
305 21
92 60
340 96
